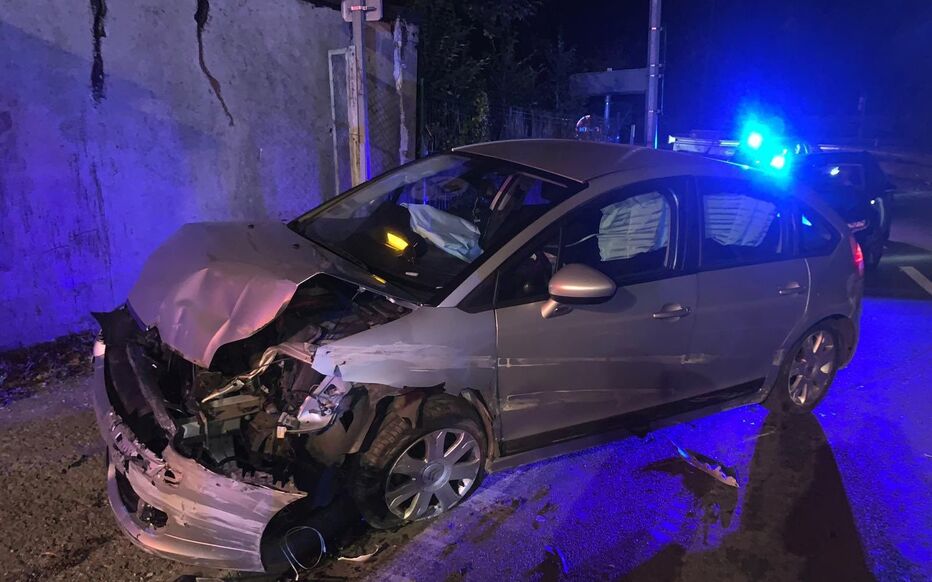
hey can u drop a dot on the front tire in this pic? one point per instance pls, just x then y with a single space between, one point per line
409 474
807 373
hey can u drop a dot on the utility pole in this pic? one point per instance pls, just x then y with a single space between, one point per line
606 117
653 76
358 12
362 104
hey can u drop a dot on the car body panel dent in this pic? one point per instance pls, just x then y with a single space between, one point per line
430 346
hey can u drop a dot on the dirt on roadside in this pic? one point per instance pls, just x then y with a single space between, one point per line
57 524
26 371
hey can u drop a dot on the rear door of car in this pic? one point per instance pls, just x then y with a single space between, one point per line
753 288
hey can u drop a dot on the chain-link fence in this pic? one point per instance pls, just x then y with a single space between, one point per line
390 97
384 134
519 123
447 124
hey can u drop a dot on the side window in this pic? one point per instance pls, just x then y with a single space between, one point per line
849 175
624 234
816 237
523 200
527 277
740 225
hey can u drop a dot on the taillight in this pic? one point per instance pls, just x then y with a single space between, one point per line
857 255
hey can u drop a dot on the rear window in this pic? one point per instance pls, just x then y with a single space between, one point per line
740 225
845 175
816 237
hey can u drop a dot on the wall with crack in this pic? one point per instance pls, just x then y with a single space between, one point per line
120 121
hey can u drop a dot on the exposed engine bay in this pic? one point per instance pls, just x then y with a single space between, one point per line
255 414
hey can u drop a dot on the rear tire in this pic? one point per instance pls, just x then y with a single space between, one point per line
409 474
807 371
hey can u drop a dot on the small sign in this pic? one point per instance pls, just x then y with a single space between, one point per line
371 8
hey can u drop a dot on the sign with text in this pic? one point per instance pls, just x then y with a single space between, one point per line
371 8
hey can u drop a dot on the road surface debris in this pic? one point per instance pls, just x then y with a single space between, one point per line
709 466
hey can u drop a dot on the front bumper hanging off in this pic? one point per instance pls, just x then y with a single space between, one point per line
168 504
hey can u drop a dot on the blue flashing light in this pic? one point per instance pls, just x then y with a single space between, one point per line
806 221
834 171
777 162
755 139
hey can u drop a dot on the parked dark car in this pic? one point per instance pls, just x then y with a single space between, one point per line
472 311
855 186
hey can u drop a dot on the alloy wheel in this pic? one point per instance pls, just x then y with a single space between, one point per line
433 474
812 368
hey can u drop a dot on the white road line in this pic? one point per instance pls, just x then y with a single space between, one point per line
918 277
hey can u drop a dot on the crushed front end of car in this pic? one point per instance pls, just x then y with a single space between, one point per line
219 449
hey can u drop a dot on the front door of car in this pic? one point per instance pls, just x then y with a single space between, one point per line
753 291
574 373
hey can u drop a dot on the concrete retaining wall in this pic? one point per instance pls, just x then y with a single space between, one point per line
120 121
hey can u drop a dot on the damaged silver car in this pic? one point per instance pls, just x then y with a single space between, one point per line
471 311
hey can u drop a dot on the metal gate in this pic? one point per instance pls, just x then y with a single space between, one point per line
387 133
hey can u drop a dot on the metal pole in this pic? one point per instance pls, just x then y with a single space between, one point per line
653 75
606 117
362 107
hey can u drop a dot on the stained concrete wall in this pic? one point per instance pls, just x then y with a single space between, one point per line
116 127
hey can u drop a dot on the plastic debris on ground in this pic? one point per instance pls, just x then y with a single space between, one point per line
556 552
709 466
24 370
362 558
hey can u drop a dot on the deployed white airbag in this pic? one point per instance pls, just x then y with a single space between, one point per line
736 219
635 225
448 232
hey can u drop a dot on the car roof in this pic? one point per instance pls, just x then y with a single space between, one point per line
584 160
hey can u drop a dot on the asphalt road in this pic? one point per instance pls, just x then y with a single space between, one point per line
843 494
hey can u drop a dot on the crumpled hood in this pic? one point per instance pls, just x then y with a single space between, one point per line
211 284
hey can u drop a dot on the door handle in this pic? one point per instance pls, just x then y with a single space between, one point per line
792 288
672 311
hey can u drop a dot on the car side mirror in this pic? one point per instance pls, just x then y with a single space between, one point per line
576 284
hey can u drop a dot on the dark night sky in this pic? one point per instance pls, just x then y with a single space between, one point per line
801 59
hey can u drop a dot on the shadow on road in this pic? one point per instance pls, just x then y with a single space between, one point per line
796 520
